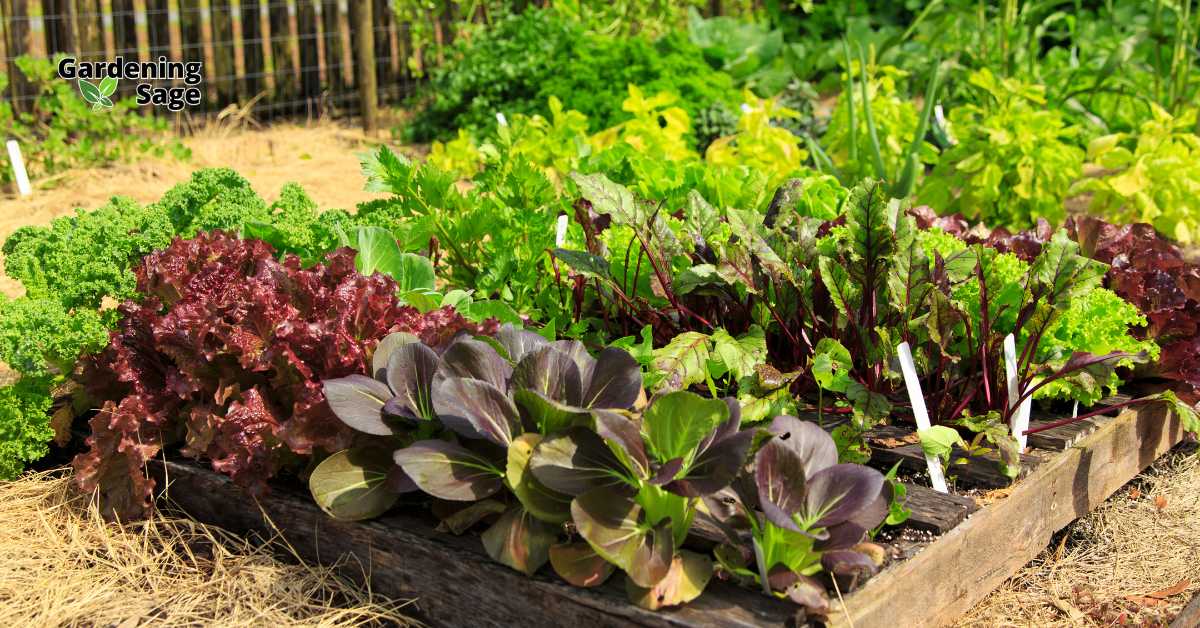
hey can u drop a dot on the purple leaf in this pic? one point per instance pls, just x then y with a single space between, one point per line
841 536
813 445
840 492
520 540
550 372
614 382
476 409
517 342
575 461
803 590
474 359
449 471
384 350
779 476
579 564
848 563
667 472
358 401
624 434
719 457
410 372
613 524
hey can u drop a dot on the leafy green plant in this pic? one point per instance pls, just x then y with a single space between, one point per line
515 65
60 129
1153 176
493 237
814 511
886 129
1015 159
760 145
25 430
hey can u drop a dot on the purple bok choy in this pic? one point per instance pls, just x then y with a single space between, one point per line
804 514
635 483
492 402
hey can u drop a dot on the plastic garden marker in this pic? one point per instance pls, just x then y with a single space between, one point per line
1019 422
909 369
18 165
560 231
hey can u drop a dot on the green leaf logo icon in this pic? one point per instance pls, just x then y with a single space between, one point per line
98 95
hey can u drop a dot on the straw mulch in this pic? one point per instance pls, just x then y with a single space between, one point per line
62 565
1135 561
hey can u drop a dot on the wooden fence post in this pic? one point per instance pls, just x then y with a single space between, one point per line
106 20
239 48
37 29
366 67
206 38
347 48
174 32
320 26
393 40
264 33
294 38
141 30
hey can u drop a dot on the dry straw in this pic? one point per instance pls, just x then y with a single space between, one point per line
62 565
1134 561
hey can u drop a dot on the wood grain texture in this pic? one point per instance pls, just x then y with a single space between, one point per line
978 472
934 511
951 575
453 581
1189 617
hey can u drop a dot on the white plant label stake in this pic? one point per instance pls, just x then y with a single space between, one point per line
936 477
560 232
1019 421
18 166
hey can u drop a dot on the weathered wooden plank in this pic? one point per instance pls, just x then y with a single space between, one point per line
453 581
978 472
1064 436
1189 617
939 584
934 511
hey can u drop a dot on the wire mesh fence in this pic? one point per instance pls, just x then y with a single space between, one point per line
279 58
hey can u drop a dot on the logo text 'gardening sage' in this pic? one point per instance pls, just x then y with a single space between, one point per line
98 81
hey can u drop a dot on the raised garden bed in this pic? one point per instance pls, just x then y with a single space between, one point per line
950 554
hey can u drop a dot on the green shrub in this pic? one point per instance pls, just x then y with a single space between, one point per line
1014 161
522 60
59 130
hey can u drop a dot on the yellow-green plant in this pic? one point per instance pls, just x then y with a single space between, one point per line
1154 175
1015 159
773 150
460 156
658 128
887 119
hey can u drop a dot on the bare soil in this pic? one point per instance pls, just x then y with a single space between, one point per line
321 157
